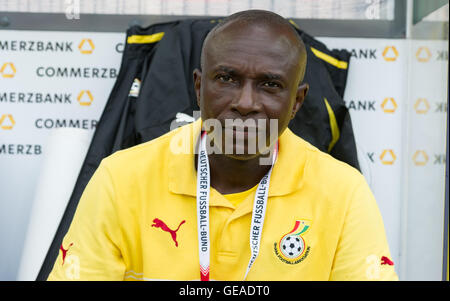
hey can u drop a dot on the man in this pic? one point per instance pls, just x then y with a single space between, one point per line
201 202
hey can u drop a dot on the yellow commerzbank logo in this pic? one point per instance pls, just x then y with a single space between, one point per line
7 122
85 98
422 106
389 105
390 54
86 46
388 157
420 158
8 70
423 54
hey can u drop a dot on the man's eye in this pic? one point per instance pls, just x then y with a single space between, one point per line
225 78
271 85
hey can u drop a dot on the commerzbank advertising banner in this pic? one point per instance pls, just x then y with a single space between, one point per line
48 81
397 98
51 80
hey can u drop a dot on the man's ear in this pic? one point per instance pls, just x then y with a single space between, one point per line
197 84
302 90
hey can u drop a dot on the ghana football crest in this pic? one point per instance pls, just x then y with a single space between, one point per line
292 248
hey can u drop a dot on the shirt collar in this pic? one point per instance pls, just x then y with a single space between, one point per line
287 174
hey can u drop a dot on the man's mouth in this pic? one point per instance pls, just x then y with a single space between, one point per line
241 133
242 129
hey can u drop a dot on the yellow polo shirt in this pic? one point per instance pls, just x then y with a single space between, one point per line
239 197
137 220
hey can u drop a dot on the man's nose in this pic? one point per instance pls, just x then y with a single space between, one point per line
245 102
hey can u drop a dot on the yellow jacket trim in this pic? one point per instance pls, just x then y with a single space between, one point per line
333 125
145 39
329 59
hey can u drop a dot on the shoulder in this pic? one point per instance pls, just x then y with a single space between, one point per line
329 167
322 164
147 156
326 173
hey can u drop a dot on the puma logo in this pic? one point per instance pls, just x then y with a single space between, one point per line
160 224
64 252
385 260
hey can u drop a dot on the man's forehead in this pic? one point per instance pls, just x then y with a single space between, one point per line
240 29
251 39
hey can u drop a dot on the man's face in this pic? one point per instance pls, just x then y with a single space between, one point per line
249 74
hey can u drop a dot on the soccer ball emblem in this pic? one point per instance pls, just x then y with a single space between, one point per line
292 246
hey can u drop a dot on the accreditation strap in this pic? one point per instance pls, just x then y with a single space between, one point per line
203 185
203 193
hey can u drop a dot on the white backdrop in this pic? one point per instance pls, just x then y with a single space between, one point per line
397 99
74 72
401 146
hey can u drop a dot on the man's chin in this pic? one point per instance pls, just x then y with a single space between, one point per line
242 157
245 154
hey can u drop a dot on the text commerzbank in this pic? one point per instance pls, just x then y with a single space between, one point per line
50 123
76 72
36 46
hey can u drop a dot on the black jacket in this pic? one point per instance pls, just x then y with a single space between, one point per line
164 68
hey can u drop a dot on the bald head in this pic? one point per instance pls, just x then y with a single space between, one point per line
266 21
